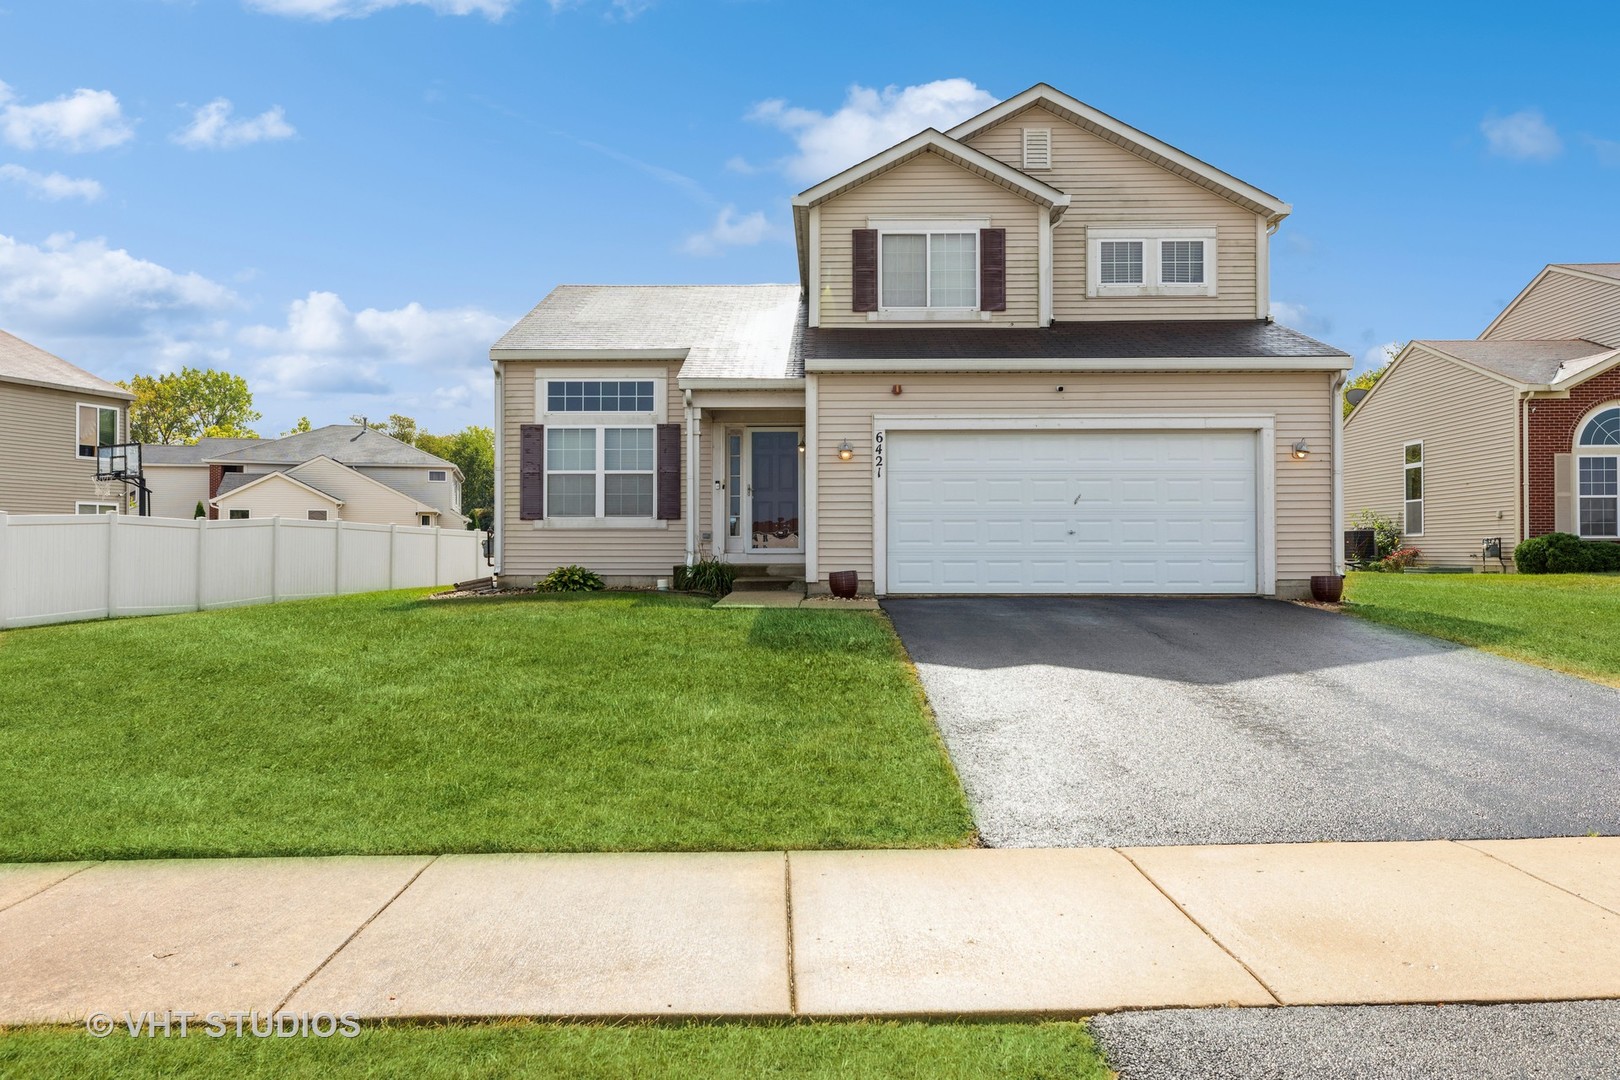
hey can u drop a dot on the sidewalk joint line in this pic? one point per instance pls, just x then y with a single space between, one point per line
307 979
52 885
787 884
1536 877
1255 975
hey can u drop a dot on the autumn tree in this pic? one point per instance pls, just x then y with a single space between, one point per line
186 405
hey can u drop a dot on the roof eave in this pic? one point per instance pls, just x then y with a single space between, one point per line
938 142
1332 362
67 388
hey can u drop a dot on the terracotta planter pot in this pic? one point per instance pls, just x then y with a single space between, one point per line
1327 588
844 583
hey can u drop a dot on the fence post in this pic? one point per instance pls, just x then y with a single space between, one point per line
3 565
436 538
337 559
202 562
112 562
275 565
393 551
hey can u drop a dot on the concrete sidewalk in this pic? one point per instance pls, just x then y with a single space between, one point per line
874 933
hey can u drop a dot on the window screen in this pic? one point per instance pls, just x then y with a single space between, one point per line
1120 262
1181 262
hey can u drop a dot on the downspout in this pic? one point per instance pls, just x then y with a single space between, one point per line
498 522
691 478
1524 466
1336 401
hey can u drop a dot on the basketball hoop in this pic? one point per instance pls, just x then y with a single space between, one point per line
104 489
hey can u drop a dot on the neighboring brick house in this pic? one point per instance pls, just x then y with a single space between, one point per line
1513 434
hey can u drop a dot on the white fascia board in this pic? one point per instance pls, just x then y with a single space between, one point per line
1593 367
1130 363
588 354
1044 94
249 486
699 383
944 145
111 392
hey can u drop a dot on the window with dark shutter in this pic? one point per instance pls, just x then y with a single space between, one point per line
992 269
531 472
669 472
864 269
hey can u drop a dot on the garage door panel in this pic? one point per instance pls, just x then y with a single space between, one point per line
1056 511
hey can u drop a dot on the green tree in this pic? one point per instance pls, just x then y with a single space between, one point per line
299 428
396 426
186 405
472 450
1369 379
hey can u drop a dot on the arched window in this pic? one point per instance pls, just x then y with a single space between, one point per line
1597 476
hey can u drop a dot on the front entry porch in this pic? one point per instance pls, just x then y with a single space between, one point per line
753 468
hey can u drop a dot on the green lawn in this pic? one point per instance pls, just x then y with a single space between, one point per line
913 1051
1570 622
389 723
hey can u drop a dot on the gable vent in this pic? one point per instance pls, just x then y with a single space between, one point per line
1037 148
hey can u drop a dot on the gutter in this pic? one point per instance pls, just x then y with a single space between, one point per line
692 445
1336 389
497 524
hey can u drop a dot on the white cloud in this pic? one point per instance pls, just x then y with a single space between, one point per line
869 121
616 9
327 10
730 230
50 186
325 348
211 127
77 122
1607 150
1300 317
86 288
1523 136
1377 356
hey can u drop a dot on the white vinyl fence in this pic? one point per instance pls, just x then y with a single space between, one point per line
65 567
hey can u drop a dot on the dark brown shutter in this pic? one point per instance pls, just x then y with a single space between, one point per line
531 472
992 269
863 269
669 472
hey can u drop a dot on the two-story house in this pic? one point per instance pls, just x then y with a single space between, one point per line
53 418
1032 354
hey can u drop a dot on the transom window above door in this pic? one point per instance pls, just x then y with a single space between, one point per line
928 270
599 395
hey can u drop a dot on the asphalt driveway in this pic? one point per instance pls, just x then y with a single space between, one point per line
1136 721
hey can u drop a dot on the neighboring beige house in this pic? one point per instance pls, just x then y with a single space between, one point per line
339 472
53 417
1032 354
1510 435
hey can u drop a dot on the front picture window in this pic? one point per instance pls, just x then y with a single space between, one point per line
929 270
600 472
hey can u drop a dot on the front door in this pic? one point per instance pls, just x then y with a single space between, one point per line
773 490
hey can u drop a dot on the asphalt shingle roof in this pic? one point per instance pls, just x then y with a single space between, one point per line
22 362
1609 269
1065 341
196 454
1535 362
336 441
727 331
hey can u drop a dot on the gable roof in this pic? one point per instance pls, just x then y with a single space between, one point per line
1137 142
1603 273
347 444
233 483
196 453
1608 270
719 331
1526 363
31 365
420 506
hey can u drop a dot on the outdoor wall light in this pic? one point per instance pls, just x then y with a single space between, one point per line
801 446
1302 449
846 452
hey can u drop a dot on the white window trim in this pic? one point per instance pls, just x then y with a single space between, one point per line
111 507
660 380
1029 165
928 226
1421 465
1150 237
232 511
1581 452
444 476
118 425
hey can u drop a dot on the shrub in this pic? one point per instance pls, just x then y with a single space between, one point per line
709 575
570 579
1396 562
1386 533
1565 553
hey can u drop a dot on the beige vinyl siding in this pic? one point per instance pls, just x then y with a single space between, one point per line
1467 424
40 470
176 489
928 186
530 551
1564 306
277 497
364 499
1300 402
413 481
1110 186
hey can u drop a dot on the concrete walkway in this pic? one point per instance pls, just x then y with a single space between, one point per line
874 933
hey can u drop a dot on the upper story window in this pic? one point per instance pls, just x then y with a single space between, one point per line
98 426
1178 261
598 395
438 476
1597 475
928 270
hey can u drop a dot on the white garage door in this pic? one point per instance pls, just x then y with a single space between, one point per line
1071 512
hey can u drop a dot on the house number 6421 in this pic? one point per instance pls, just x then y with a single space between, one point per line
877 452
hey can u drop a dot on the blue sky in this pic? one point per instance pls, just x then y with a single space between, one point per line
347 200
